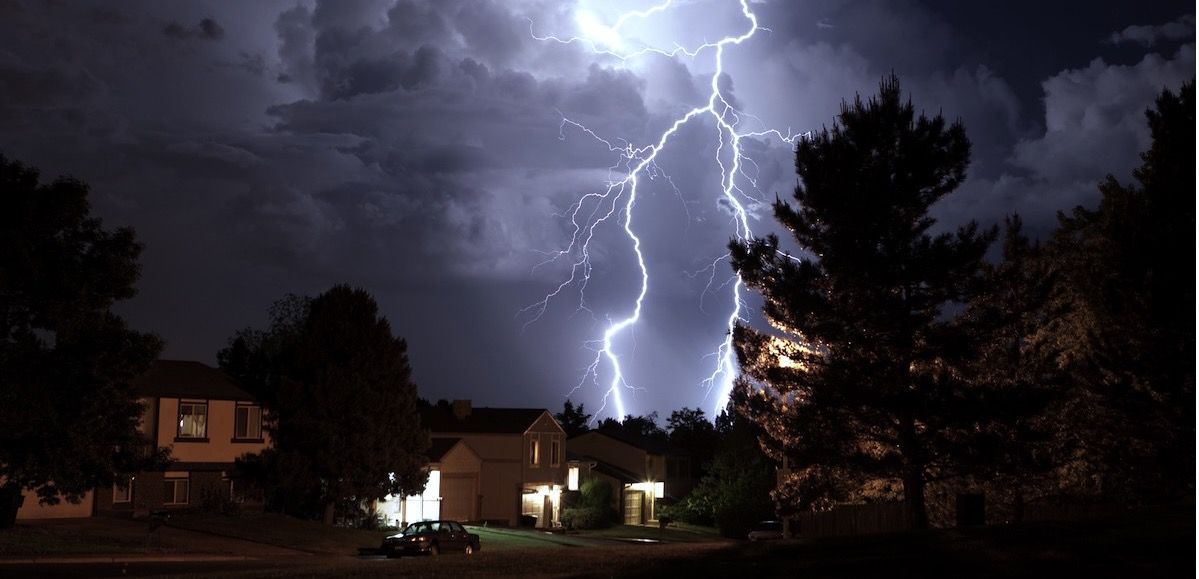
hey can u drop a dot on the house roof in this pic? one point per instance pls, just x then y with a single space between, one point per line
620 474
648 445
188 379
440 447
481 420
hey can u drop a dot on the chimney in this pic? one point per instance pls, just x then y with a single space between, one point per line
461 409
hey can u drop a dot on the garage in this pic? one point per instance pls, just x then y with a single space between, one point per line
458 496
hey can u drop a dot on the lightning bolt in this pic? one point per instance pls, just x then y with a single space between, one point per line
618 199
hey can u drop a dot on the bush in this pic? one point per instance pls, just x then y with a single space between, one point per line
595 494
585 518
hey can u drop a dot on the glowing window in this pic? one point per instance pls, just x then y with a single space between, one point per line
572 478
534 452
193 420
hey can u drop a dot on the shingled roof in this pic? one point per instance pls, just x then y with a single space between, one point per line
188 379
481 420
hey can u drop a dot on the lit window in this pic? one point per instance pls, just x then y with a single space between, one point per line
193 419
122 491
534 452
175 491
555 450
247 422
572 478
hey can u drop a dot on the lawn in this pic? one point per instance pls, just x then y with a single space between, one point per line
281 531
672 534
499 539
1154 546
83 536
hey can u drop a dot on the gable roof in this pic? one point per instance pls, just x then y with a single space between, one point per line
439 447
481 420
597 465
188 379
647 445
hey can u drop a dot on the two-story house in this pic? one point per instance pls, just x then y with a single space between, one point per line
489 464
206 420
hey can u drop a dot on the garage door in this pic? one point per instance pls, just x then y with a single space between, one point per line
632 508
458 497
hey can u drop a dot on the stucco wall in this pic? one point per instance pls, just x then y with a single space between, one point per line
219 445
32 509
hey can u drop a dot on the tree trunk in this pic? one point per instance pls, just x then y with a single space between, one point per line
329 513
10 502
913 496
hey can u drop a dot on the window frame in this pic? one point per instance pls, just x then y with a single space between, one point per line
179 435
174 482
128 494
248 407
535 451
555 452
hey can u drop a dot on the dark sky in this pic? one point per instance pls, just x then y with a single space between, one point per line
414 149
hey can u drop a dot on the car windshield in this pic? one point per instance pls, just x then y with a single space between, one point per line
418 529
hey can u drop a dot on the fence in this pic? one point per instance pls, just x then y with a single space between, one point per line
853 520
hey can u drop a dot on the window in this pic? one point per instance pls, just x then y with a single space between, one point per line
534 452
122 491
175 491
555 450
572 478
247 422
193 419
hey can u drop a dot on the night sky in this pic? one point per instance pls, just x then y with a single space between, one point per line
414 149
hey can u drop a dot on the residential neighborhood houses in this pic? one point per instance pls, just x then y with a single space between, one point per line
206 421
499 466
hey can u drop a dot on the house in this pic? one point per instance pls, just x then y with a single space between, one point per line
206 420
640 472
488 464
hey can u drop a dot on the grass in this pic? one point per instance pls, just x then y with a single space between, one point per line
496 539
1159 545
282 531
82 537
673 534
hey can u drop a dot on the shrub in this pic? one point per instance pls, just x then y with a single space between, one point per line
585 518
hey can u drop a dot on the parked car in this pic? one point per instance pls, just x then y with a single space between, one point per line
431 538
767 531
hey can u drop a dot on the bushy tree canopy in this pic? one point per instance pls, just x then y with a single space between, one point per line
339 390
67 407
862 378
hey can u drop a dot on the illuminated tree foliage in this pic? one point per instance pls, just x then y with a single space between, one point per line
862 382
1123 336
342 403
68 411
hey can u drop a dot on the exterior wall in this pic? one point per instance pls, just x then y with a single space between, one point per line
219 446
613 452
461 471
499 473
32 509
546 432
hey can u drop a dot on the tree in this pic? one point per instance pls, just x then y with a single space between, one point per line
338 387
735 494
1125 341
862 381
692 434
639 428
67 362
573 419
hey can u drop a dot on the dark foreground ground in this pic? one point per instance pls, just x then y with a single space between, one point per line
1161 545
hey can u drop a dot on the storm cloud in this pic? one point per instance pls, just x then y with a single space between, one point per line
416 148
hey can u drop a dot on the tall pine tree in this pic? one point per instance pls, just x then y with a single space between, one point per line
861 382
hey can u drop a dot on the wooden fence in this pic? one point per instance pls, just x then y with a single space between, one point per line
852 520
